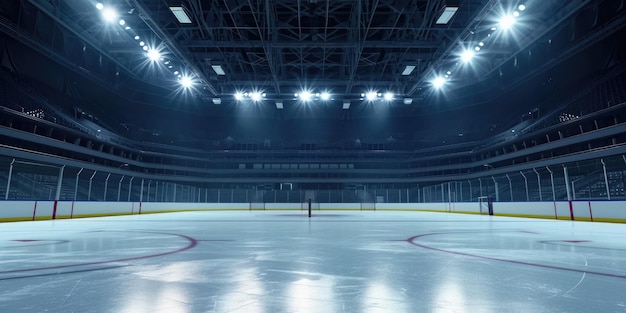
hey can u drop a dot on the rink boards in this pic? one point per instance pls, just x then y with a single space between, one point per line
599 211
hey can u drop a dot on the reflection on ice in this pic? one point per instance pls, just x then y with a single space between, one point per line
272 262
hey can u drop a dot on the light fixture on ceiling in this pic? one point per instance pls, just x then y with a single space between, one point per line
218 70
388 96
506 22
408 101
305 96
279 105
257 96
217 100
153 55
467 56
408 70
109 14
181 15
186 82
346 105
446 15
371 95
438 82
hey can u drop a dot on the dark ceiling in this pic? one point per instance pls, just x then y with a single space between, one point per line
281 47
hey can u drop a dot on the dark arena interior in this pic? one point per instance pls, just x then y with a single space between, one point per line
312 156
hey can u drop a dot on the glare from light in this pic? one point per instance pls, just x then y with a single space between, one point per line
145 48
238 96
438 82
122 22
255 96
481 44
448 72
467 56
109 15
305 96
388 96
127 28
521 7
371 96
141 43
506 22
175 72
186 82
325 96
99 6
516 14
153 55
137 37
477 48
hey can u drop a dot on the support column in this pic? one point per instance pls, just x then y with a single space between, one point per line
538 183
510 186
130 187
90 182
606 180
119 188
569 192
76 185
58 193
6 194
106 185
526 185
552 182
495 185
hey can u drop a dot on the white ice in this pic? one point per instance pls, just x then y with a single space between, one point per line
282 261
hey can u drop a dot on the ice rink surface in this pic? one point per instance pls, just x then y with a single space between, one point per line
282 261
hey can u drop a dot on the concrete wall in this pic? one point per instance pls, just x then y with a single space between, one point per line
599 211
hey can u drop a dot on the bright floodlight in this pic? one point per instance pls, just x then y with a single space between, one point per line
371 96
305 96
516 14
186 82
388 96
521 7
153 55
507 21
467 56
99 6
255 96
438 82
109 15
122 22
238 96
325 96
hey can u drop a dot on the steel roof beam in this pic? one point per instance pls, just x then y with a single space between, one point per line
145 15
321 44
